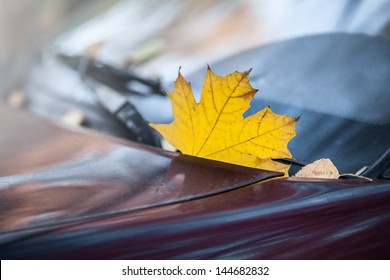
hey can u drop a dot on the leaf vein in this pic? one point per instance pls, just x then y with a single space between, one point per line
220 113
247 140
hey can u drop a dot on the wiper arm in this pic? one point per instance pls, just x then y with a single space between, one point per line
378 168
115 78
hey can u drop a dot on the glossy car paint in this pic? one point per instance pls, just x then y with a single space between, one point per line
75 194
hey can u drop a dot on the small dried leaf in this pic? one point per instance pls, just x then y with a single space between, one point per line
322 168
16 99
73 117
92 50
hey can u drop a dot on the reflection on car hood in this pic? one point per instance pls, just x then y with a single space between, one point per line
56 176
79 195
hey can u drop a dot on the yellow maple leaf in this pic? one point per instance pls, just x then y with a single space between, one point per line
215 128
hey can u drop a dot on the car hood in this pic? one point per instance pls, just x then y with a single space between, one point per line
51 175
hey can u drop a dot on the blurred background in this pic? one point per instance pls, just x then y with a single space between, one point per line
160 36
151 39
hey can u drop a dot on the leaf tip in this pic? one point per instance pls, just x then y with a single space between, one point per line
209 70
179 75
248 71
178 72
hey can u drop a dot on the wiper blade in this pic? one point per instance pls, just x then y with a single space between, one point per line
117 79
124 111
